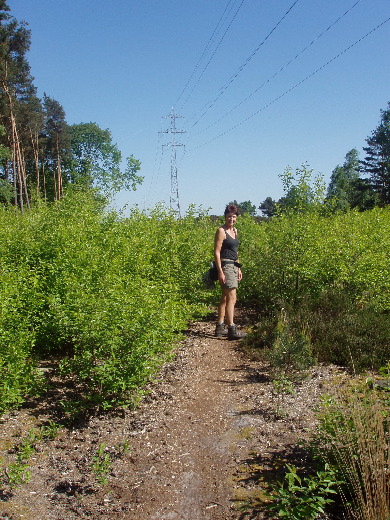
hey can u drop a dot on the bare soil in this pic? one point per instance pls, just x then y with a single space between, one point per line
201 445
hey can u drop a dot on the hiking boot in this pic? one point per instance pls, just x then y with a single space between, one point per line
234 334
220 330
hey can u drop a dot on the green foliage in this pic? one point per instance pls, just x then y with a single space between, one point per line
18 472
282 385
303 498
106 296
332 276
6 191
291 352
296 255
302 193
96 161
18 375
101 464
377 161
342 187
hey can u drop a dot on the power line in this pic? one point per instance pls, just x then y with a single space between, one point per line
213 54
241 68
294 87
205 50
282 68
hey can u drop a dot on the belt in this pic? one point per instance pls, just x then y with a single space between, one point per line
225 262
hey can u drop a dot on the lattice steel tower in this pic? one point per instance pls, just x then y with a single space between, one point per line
174 201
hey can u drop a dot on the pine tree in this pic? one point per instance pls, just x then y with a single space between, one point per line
268 207
57 149
376 164
16 87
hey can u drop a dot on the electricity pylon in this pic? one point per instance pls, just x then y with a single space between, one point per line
174 201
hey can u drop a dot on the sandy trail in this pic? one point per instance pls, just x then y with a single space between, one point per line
186 471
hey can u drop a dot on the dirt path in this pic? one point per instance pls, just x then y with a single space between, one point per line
195 449
191 452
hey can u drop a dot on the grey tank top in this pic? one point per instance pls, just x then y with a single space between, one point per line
229 247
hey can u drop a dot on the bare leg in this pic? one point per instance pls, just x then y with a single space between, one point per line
222 307
231 298
226 306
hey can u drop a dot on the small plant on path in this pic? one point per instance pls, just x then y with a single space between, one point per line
305 498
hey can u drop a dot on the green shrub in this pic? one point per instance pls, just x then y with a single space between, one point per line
345 333
295 255
331 274
19 377
291 352
303 498
105 296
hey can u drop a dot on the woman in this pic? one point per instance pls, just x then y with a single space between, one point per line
229 273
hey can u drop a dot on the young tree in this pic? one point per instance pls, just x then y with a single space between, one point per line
341 189
96 161
376 164
302 192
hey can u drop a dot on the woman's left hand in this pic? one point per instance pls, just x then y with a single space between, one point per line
239 274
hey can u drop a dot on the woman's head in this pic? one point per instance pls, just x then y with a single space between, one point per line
232 209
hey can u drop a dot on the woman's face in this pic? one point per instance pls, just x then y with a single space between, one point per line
230 219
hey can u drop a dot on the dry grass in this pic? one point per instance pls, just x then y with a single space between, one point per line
355 428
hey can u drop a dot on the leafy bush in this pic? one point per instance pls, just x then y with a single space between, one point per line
291 351
298 255
303 498
332 277
18 375
106 296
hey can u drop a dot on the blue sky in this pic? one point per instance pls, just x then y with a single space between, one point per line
256 82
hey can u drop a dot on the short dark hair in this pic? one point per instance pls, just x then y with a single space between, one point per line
231 208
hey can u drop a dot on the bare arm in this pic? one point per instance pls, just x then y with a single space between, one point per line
219 238
239 270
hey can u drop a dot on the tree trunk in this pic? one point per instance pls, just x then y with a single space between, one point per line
59 171
18 166
35 148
